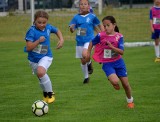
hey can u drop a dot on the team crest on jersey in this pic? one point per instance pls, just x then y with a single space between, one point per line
117 37
48 32
88 20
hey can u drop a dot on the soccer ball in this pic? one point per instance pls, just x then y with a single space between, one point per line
40 108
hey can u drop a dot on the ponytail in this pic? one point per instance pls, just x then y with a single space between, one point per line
116 29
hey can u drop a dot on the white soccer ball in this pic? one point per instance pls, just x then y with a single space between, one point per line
40 108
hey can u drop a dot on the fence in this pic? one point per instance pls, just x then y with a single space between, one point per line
133 23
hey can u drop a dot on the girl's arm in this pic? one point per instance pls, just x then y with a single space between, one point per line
117 50
99 28
151 21
151 26
89 50
61 40
72 28
31 45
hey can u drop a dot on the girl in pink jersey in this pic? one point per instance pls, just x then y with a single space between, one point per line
108 50
155 27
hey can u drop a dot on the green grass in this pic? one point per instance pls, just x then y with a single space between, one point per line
75 102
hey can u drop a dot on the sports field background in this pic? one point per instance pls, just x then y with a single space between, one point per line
132 23
76 102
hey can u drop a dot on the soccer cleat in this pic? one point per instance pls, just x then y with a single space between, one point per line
157 59
130 105
48 97
51 97
86 80
90 68
45 97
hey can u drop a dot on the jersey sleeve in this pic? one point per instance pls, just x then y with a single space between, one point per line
30 35
121 43
96 39
150 15
96 21
53 29
73 21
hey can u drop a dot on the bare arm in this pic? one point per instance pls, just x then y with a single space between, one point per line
99 28
31 45
61 40
151 26
89 51
72 28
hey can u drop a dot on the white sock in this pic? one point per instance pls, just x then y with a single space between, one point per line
157 51
129 100
85 70
45 83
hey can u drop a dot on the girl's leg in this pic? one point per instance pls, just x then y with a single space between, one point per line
127 88
44 79
114 81
157 50
45 84
88 61
85 71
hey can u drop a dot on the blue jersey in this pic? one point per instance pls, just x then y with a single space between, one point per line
43 49
84 24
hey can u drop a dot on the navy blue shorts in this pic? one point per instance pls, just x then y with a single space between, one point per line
118 67
156 34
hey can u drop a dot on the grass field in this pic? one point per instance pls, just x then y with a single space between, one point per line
75 102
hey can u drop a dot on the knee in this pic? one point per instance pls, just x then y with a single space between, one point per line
114 81
41 72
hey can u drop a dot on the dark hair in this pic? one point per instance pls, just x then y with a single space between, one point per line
113 21
41 14
86 0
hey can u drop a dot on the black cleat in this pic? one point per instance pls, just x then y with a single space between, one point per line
86 80
90 68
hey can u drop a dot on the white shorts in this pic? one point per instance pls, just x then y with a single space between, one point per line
44 62
79 50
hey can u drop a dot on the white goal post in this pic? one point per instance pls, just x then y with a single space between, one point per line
32 11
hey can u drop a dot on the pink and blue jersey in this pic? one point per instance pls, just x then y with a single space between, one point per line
43 49
102 52
84 24
155 16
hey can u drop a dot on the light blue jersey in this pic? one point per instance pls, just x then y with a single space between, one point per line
43 49
84 24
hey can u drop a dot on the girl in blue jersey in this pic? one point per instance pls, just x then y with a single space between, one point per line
39 51
84 23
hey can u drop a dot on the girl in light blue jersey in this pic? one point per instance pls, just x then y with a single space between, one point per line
39 52
84 23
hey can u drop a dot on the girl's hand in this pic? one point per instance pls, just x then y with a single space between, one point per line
109 44
41 39
152 30
60 44
72 28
